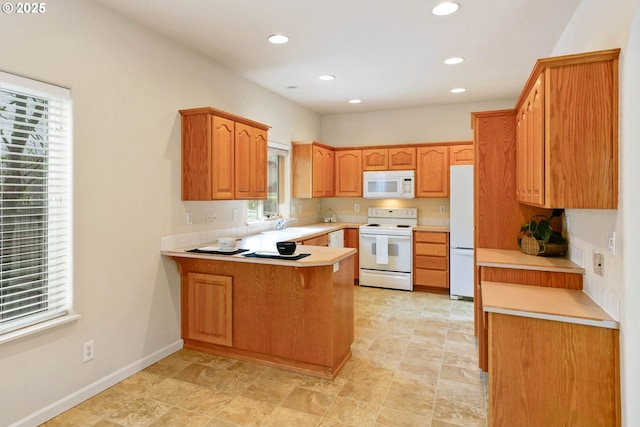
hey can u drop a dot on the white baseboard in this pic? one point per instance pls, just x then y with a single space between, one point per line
79 396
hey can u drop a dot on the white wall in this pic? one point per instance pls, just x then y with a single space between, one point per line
127 86
603 25
427 124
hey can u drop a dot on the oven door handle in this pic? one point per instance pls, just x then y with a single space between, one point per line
373 236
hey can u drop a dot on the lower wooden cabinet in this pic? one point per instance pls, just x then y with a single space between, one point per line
322 240
208 301
431 260
352 240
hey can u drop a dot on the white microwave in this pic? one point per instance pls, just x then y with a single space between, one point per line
388 185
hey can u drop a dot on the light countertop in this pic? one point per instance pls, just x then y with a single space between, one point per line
433 228
505 258
564 305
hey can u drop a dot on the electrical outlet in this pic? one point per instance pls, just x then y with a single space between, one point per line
189 218
443 209
293 210
87 351
356 207
209 217
598 263
234 214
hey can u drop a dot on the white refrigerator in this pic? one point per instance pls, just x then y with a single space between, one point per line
461 232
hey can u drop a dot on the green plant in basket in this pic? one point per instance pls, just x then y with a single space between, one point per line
540 228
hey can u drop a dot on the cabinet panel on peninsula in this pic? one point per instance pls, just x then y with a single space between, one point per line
217 150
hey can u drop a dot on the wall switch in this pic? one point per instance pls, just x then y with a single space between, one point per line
293 210
598 263
443 209
356 207
318 207
234 214
87 351
189 218
611 242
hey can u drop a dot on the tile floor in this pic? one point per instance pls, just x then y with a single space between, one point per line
414 364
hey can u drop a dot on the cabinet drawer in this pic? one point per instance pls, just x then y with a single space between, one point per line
431 262
433 249
322 240
430 237
433 278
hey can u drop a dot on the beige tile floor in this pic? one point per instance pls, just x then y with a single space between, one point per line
414 364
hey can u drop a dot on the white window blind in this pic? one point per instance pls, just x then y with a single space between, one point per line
35 202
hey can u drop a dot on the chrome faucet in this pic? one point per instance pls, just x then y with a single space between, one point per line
281 224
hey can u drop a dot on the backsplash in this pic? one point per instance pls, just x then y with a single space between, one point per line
594 285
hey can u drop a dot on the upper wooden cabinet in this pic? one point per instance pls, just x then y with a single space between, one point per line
375 159
312 170
461 154
567 133
250 163
389 158
432 171
348 165
402 158
218 151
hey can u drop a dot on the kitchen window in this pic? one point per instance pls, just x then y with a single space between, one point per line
258 210
35 203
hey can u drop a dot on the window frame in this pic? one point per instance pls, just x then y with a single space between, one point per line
54 136
282 151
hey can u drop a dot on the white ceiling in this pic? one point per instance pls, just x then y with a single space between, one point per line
388 53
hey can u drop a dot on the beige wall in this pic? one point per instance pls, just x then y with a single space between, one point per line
127 86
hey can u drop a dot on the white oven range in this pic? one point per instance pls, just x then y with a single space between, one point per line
386 248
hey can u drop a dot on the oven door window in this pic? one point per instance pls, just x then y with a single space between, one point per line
399 253
386 186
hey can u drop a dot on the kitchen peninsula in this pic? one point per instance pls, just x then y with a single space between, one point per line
293 314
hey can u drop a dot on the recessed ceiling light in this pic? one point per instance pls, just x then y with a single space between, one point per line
458 90
327 77
454 60
445 8
278 39
355 101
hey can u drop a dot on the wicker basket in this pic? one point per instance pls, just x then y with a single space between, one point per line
531 246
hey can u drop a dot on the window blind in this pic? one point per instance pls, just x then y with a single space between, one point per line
35 202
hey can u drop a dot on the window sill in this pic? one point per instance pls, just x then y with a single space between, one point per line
38 328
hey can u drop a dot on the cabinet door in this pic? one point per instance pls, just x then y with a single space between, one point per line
317 176
348 173
197 155
375 159
530 146
403 158
250 163
322 172
328 173
432 177
222 158
461 155
209 308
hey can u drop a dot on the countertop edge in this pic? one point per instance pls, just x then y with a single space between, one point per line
304 262
539 302
609 324
508 258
